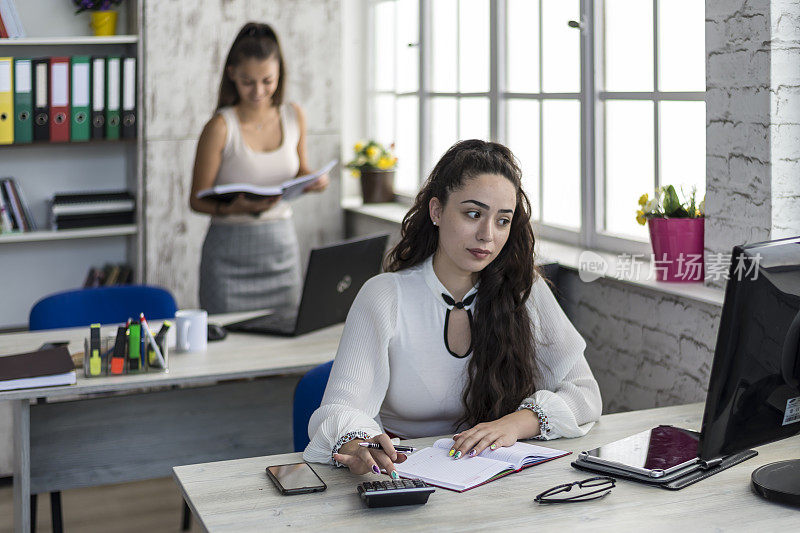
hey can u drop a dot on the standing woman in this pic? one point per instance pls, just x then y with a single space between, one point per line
461 335
250 257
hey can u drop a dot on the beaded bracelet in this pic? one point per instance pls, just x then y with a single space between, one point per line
347 437
544 424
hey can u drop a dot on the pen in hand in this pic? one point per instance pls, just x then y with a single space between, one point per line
376 446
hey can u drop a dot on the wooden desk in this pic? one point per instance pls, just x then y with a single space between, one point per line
125 428
237 495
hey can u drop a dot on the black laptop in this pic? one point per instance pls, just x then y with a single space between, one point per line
334 276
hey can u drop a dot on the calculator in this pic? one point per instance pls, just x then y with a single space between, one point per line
394 492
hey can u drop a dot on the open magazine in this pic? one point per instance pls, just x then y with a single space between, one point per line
435 467
289 189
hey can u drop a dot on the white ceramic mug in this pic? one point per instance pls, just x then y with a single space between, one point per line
191 328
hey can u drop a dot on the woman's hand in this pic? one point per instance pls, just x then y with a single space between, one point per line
361 460
501 432
319 184
242 205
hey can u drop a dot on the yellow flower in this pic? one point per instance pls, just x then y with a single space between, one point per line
355 172
640 218
643 200
359 146
372 152
385 162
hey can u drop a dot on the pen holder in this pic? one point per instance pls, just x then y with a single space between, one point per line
96 364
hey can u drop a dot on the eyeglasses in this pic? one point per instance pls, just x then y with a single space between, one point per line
598 487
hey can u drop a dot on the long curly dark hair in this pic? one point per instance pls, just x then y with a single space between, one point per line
502 370
254 41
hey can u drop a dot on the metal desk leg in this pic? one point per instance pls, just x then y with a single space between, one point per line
22 466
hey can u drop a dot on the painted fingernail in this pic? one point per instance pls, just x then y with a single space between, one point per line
376 469
394 475
452 452
493 447
458 455
472 452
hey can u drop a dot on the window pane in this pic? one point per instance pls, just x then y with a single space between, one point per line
561 160
407 56
629 163
522 46
473 118
522 134
628 34
473 49
407 177
444 58
382 128
681 45
682 154
383 58
561 57
444 128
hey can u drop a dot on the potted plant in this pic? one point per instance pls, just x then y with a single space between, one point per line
103 19
676 233
375 165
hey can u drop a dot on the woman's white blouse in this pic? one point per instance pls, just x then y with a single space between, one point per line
393 373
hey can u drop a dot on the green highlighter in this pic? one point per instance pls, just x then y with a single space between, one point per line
135 347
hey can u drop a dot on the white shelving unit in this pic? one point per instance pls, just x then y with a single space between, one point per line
44 261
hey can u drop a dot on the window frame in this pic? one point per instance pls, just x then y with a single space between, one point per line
591 97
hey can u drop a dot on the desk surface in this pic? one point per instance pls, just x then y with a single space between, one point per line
240 355
237 495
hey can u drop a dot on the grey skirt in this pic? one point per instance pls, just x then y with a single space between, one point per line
246 267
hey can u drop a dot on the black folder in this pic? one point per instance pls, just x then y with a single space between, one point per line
41 99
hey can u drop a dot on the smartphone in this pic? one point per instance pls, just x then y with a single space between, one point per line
295 478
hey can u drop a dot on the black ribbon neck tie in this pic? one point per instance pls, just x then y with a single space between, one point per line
458 305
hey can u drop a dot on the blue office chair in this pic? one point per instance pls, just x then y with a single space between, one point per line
103 305
307 397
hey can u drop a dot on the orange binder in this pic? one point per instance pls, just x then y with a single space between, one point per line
59 99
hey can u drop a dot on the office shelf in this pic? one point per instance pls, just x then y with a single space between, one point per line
64 234
79 40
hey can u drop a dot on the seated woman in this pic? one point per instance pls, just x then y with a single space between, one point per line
460 335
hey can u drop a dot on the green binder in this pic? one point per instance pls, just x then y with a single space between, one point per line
80 76
113 96
23 101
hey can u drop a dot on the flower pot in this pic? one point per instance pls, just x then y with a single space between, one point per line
103 23
377 186
677 248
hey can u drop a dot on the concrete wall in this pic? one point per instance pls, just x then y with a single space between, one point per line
185 45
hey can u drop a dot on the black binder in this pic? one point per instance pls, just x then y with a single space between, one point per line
41 99
128 97
98 93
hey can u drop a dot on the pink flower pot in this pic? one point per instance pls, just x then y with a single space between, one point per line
677 248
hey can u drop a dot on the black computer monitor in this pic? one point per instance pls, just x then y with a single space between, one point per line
754 388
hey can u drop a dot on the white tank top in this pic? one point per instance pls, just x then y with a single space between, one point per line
242 164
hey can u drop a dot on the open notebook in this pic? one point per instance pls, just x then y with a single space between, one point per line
289 189
435 467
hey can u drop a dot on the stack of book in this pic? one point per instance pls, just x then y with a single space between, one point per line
43 368
90 210
10 22
15 215
109 275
